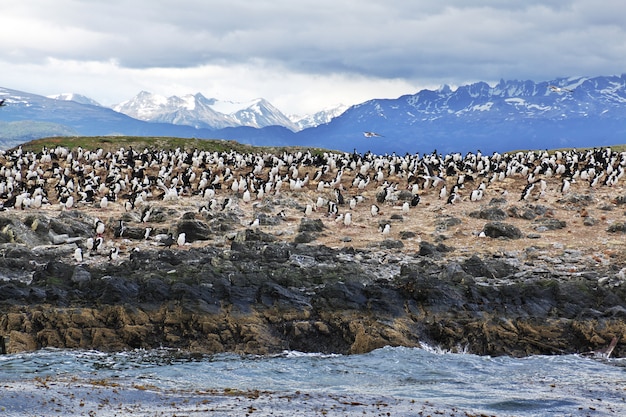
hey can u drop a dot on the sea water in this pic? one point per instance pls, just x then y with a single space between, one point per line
387 381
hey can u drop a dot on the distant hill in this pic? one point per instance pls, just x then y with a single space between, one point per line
565 112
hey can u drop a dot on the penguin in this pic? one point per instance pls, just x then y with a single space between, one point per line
78 255
527 190
180 240
97 243
99 227
340 200
119 230
169 241
114 253
415 200
374 210
347 219
332 209
145 214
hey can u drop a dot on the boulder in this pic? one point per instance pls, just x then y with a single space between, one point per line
489 213
194 230
500 229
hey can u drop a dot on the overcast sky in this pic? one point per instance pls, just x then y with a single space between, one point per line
301 55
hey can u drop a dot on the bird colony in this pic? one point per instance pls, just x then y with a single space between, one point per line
361 199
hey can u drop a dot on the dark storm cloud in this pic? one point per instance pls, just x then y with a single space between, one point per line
374 38
419 42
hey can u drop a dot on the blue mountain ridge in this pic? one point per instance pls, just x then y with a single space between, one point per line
565 112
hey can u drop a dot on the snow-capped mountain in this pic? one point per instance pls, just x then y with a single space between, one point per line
78 98
508 115
201 112
319 118
565 112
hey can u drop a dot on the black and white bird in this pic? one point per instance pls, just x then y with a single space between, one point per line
333 210
97 243
340 200
168 241
180 240
114 253
374 210
372 135
78 255
119 230
526 191
99 227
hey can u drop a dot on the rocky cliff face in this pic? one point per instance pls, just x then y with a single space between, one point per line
256 295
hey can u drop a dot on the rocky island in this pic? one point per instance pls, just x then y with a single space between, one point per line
263 251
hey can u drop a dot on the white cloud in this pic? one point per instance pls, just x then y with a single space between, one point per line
301 55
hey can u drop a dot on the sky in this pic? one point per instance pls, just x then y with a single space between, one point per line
301 55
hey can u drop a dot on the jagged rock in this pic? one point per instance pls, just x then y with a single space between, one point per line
390 244
579 199
489 213
429 249
73 223
521 213
499 229
254 235
304 237
135 233
12 230
549 224
265 220
617 227
444 222
259 296
309 225
81 275
407 234
497 201
194 230
589 221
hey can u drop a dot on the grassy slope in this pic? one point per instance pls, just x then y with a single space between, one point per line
139 142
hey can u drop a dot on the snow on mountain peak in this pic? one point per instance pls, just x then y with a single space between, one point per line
75 97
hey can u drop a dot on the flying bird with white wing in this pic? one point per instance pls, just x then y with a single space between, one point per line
372 135
560 89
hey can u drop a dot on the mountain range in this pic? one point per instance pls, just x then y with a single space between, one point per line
564 112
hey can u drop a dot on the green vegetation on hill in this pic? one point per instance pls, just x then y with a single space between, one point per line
140 142
212 145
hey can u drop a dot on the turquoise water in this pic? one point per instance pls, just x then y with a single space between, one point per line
399 381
